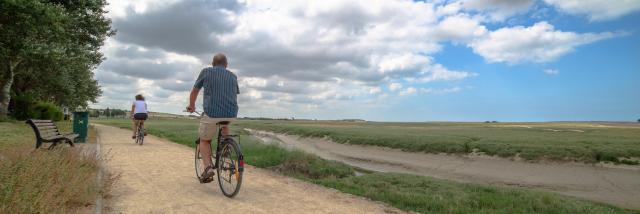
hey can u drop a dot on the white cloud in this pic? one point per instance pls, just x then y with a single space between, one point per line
450 90
597 10
551 71
460 27
538 43
408 91
296 57
498 10
438 72
399 63
395 86
412 90
375 90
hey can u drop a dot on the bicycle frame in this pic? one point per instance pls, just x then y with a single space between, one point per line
218 147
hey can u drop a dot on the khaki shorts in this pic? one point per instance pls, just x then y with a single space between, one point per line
208 128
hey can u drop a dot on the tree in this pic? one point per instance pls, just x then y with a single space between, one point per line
53 45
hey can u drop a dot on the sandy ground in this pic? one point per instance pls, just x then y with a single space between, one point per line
159 177
617 185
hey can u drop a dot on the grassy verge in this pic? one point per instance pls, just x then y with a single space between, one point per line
408 192
589 142
44 181
429 195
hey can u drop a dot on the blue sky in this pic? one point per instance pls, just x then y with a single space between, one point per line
453 60
598 81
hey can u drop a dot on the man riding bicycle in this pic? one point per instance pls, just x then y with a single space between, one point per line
220 104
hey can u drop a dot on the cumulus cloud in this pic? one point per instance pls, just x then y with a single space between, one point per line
188 27
597 10
438 72
413 90
460 27
375 90
408 91
395 86
497 10
551 71
297 57
538 43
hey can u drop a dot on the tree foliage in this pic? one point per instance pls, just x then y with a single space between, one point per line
49 48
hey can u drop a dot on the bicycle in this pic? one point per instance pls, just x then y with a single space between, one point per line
140 134
229 161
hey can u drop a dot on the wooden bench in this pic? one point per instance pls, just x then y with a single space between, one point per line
47 132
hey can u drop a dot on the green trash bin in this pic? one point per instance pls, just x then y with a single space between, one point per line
81 125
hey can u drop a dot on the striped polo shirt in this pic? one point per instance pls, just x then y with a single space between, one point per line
220 92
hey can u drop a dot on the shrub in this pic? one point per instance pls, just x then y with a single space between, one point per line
26 107
46 111
22 104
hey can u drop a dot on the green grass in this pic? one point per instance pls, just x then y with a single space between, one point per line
429 195
43 181
586 142
408 192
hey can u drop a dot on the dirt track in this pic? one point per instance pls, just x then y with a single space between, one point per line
618 185
158 177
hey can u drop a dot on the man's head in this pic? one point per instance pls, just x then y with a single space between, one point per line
219 60
139 97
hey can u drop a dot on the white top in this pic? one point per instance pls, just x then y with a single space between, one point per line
140 106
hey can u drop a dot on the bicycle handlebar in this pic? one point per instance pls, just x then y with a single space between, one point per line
196 112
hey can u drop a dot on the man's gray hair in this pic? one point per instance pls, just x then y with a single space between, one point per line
219 59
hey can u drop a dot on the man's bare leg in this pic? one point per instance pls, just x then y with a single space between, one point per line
205 152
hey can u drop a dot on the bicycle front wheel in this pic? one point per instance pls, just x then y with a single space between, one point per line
230 168
140 135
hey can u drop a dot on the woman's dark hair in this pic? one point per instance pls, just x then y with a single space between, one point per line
139 97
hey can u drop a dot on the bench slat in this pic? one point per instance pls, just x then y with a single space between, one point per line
44 128
49 133
71 136
48 130
41 121
55 137
44 124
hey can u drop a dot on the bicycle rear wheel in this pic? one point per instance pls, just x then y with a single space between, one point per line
230 168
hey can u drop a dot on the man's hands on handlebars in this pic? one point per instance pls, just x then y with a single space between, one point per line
191 108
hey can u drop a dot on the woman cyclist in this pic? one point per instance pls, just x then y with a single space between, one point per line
138 113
